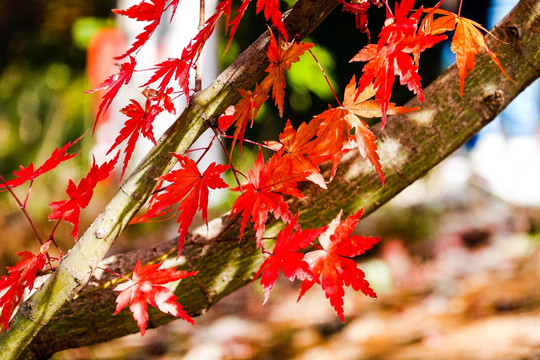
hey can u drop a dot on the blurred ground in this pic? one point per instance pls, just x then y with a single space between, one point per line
457 277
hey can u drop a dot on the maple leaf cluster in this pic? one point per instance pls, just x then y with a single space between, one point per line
80 195
30 174
321 256
391 56
264 192
141 121
332 266
146 286
20 278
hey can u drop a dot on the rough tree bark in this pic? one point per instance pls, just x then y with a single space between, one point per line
409 146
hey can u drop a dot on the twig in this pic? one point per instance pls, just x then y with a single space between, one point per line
198 72
325 77
25 212
23 208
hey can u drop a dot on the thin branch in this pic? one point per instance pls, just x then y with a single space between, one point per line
229 159
23 209
198 70
28 217
206 149
325 77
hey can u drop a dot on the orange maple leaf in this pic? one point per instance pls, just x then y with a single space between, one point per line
297 151
466 42
359 103
343 128
245 111
281 55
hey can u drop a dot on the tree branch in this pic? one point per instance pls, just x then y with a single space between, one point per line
410 145
205 107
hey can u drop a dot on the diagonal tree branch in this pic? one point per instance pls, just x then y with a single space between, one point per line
205 107
410 145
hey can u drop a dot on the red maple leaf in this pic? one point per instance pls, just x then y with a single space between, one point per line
80 195
297 148
190 188
179 68
333 266
359 8
174 4
21 277
140 122
281 56
112 85
267 183
29 174
12 294
392 55
145 11
226 119
331 136
271 12
286 257
232 26
245 111
145 287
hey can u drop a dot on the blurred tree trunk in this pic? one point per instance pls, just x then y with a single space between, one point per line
410 145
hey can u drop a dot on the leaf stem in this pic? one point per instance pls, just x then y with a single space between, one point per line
206 149
28 193
325 77
195 149
28 217
113 272
23 208
248 141
51 238
218 136
388 9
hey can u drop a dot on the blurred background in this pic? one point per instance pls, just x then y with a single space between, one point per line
458 266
